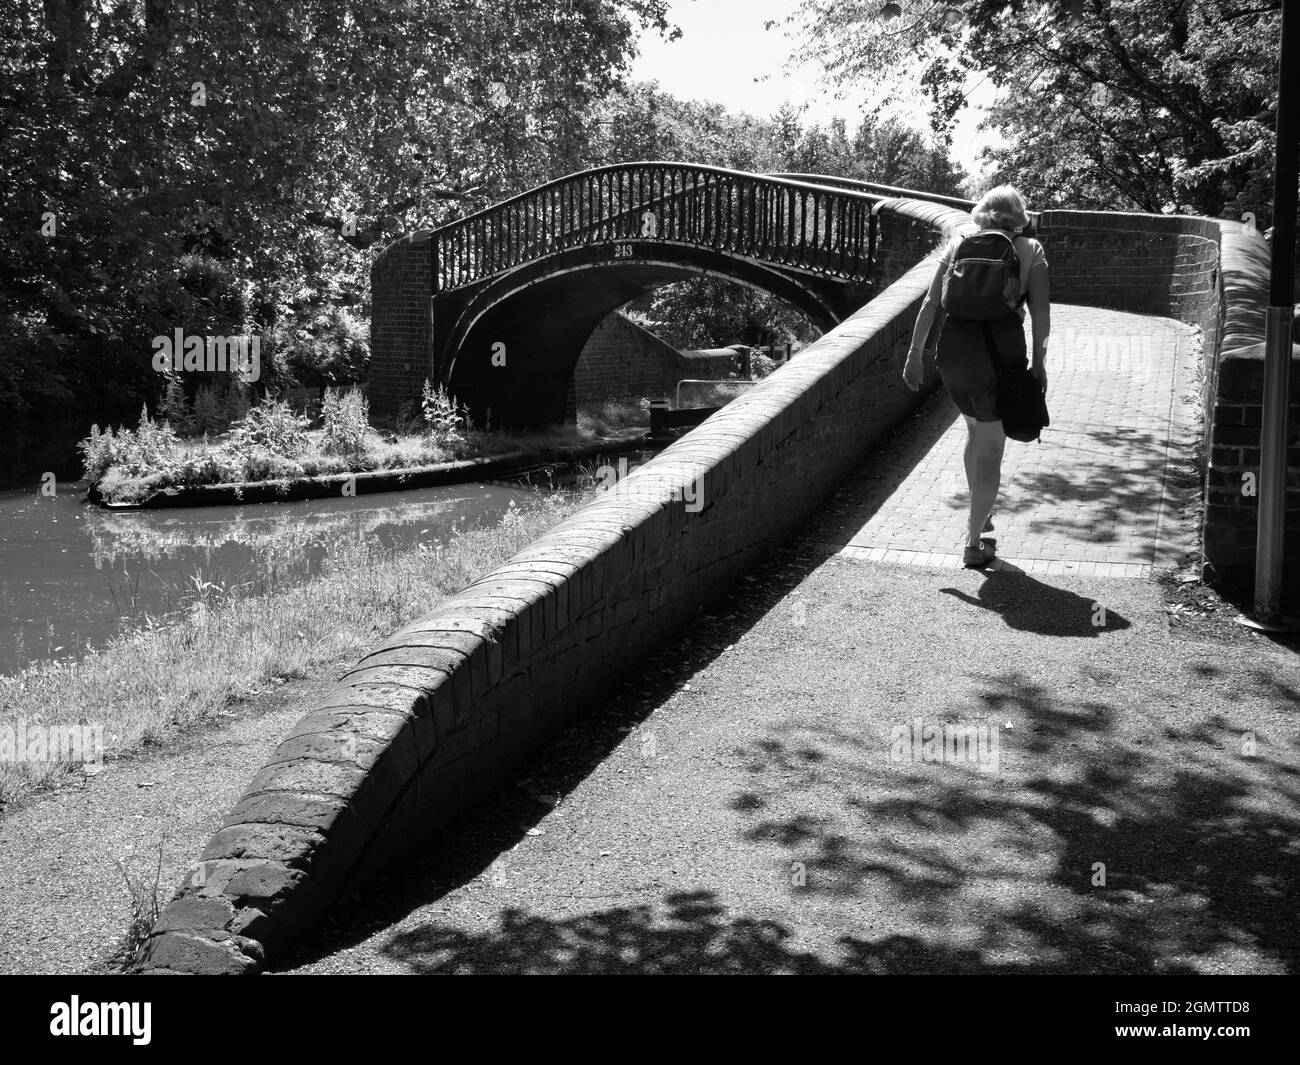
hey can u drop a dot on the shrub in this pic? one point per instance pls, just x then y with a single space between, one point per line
155 443
346 421
444 418
98 453
174 408
272 426
266 464
208 416
210 468
408 421
236 403
327 347
761 365
151 448
217 406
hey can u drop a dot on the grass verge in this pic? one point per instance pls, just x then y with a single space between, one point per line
186 670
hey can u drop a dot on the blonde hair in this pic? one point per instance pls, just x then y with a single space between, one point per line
1001 208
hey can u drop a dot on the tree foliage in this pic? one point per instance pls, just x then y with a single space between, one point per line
228 168
221 167
642 122
1154 105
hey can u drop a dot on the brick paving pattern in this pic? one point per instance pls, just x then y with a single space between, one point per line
1108 491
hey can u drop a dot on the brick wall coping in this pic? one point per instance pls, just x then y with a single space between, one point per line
1130 222
1244 266
948 220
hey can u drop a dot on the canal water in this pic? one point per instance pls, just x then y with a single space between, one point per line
73 575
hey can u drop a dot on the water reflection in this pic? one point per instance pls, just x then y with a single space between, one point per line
73 575
157 535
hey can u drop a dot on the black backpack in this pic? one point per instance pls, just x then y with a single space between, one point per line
983 275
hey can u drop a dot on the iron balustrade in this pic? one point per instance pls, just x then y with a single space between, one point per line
795 224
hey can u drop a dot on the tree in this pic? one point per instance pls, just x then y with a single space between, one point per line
271 144
709 312
643 122
1159 105
888 151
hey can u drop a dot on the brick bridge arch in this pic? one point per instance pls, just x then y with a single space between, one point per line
529 279
537 321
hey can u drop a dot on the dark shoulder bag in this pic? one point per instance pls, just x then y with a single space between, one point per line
1022 404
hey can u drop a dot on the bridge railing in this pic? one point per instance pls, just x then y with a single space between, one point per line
795 224
882 192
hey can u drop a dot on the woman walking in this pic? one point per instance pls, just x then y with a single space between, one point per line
964 361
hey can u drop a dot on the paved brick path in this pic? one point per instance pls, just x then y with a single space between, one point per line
1109 490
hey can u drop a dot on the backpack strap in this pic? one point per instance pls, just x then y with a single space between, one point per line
1026 263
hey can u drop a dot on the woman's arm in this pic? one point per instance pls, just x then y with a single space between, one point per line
931 308
1040 311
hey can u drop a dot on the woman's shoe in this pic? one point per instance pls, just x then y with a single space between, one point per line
978 557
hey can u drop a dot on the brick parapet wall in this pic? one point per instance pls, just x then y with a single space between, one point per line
1210 274
1150 264
908 231
436 715
1232 508
401 332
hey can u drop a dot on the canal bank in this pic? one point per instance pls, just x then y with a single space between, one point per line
344 485
160 680
73 576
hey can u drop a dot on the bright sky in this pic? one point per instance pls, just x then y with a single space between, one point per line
725 56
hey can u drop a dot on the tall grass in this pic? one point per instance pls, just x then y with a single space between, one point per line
144 893
183 672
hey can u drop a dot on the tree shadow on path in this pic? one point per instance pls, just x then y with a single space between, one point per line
1115 838
917 868
1152 849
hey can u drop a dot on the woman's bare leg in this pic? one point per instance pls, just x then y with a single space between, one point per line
985 444
968 455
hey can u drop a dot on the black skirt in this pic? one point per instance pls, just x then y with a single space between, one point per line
965 367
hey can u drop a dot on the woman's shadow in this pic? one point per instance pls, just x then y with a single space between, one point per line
1028 604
